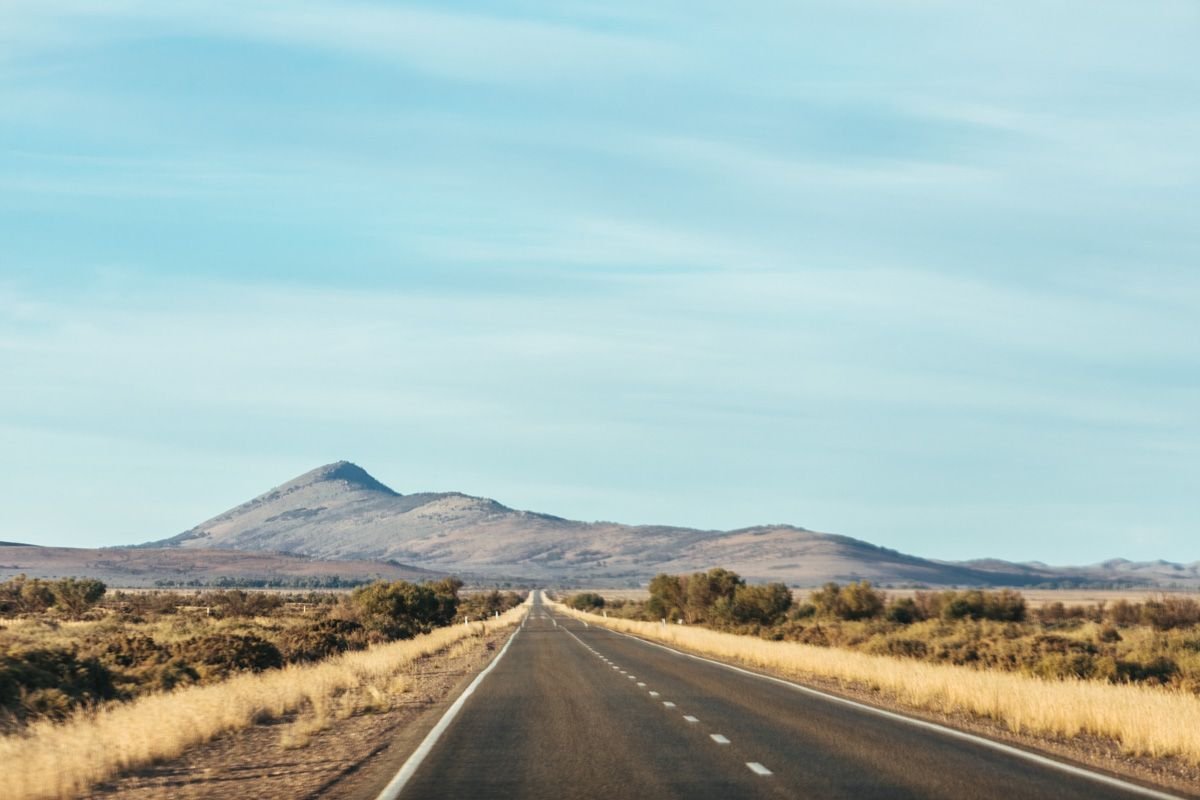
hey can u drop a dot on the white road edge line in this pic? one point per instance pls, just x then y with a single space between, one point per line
920 723
758 769
396 785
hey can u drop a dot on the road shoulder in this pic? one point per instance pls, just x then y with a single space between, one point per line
352 758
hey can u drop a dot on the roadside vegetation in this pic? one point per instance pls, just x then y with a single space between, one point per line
1156 642
70 645
118 680
1127 672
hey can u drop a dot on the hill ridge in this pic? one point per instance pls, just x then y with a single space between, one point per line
340 511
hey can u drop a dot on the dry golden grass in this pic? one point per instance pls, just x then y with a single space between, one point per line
63 760
1143 720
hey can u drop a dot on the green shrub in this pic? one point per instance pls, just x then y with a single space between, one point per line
1124 613
317 642
73 596
240 603
1002 606
901 647
218 655
401 610
666 597
487 604
1160 670
132 650
765 604
51 681
903 611
1170 612
853 601
585 601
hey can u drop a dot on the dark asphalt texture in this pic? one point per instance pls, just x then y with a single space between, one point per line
554 720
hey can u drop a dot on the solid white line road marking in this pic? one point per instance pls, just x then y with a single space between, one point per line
668 704
757 768
1071 769
691 718
396 785
718 738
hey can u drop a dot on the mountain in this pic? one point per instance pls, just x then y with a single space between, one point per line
339 511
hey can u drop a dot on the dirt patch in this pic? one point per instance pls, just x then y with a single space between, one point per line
352 757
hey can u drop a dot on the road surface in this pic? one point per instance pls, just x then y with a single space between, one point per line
575 711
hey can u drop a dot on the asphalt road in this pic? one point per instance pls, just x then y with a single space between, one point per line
581 712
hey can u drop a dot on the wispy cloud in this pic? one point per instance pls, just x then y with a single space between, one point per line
739 163
887 268
460 45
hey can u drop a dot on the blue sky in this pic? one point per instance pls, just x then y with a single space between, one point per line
924 273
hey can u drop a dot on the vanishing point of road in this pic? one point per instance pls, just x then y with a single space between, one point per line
575 711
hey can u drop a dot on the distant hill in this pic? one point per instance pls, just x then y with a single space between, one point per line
339 511
145 567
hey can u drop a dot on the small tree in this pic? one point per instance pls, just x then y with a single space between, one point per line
903 610
850 602
22 595
666 597
74 596
709 595
766 604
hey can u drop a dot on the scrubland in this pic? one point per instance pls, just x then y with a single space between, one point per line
113 647
131 681
1126 672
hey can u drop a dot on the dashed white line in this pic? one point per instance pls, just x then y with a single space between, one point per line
757 768
654 694
918 723
641 684
718 738
690 718
667 703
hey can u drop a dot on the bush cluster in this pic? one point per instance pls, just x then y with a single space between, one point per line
1154 642
482 605
718 597
68 596
153 641
585 601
